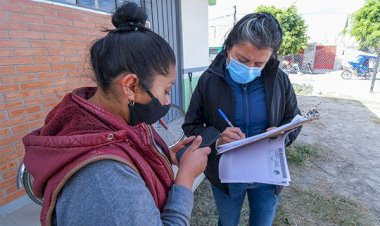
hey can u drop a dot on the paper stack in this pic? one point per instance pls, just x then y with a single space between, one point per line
260 158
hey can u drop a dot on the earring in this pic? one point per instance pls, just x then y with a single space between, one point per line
131 103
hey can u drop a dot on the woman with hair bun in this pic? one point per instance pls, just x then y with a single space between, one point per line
97 160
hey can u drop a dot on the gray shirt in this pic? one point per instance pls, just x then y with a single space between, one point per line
108 192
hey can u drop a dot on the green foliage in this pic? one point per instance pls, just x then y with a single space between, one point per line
366 25
303 89
293 27
211 2
302 154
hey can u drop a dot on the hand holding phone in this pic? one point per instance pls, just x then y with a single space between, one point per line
209 136
193 163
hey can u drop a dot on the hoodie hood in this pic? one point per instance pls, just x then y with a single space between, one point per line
73 128
78 132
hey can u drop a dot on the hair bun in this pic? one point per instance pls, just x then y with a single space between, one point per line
129 13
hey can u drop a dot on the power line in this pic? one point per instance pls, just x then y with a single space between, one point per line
323 13
216 18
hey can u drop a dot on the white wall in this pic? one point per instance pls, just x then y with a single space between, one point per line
194 15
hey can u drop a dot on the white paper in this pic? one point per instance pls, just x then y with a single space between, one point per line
263 161
260 158
298 120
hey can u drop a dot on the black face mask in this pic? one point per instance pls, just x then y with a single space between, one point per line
148 113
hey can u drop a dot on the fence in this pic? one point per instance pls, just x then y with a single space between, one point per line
320 58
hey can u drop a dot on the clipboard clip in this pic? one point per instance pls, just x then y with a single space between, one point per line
313 112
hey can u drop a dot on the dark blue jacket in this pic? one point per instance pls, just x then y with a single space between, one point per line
250 105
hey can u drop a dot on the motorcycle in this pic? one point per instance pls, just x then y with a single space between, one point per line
359 68
295 68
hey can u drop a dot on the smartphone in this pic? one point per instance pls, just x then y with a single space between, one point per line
209 136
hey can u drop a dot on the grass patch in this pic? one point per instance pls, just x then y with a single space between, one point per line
302 154
336 99
377 121
303 89
204 211
300 207
296 207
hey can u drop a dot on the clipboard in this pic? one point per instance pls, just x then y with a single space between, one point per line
296 122
261 158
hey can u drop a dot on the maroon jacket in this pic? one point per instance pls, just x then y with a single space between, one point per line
76 133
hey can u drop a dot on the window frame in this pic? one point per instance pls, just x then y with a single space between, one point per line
77 4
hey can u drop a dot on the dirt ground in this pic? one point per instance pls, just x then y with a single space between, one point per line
348 134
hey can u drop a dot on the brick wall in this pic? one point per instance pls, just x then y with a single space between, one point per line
43 56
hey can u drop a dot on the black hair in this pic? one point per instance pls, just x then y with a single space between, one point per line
130 48
260 29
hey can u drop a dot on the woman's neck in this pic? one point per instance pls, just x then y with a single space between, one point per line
109 103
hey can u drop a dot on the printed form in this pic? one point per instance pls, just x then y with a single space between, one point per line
259 158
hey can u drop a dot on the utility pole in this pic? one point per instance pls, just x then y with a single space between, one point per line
375 72
234 14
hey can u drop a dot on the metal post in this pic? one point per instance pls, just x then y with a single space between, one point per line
190 75
375 73
234 14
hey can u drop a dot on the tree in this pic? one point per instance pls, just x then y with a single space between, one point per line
293 26
366 25
366 29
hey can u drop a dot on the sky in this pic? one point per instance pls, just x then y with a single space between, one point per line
325 18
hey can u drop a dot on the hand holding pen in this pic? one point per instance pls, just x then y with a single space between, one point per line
231 133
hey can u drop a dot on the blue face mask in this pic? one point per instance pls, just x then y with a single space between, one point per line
242 73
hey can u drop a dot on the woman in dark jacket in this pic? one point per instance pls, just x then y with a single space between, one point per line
244 81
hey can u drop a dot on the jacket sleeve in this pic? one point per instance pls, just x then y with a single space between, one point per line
291 110
194 119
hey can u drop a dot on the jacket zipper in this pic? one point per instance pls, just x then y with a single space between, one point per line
246 109
157 149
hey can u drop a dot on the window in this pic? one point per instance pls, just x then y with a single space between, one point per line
101 5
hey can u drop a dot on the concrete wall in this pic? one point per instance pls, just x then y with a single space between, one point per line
194 16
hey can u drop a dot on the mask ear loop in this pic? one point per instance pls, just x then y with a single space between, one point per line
147 90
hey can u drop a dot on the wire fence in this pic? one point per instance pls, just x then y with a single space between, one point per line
320 58
353 61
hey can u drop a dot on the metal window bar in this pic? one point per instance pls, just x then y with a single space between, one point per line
95 4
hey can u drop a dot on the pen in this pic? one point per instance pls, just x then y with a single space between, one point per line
221 113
